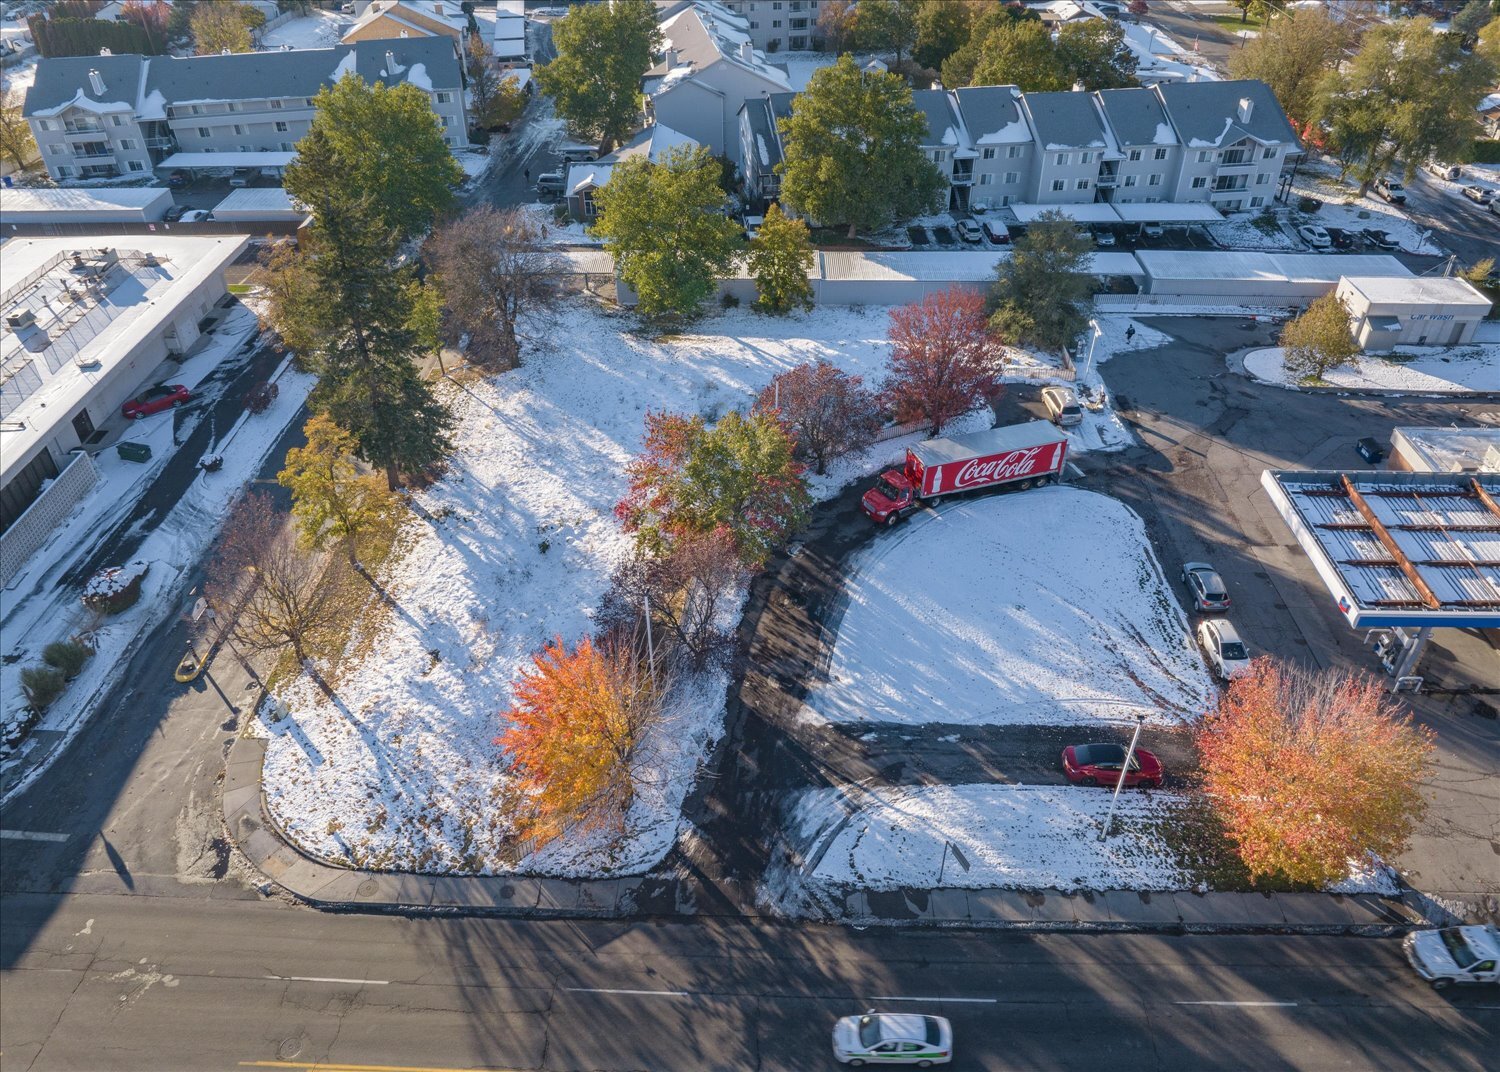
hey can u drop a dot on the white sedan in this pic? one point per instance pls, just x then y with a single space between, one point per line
1315 236
885 1038
1226 652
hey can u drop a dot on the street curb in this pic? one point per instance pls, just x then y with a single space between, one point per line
336 889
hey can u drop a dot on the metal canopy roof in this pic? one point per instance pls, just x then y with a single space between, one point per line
1398 548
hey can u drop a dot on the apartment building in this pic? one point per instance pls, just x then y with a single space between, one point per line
1005 165
105 116
760 144
1073 146
780 25
1235 142
709 68
386 19
1149 153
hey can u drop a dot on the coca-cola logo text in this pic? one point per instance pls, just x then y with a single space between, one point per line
991 470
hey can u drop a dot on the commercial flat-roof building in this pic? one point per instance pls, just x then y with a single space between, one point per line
1421 311
1445 450
130 204
85 324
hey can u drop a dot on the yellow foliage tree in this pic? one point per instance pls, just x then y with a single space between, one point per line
332 501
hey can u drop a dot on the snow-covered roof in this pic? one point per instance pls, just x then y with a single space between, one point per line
650 143
1210 114
1065 120
938 266
699 34
1136 116
1221 264
1420 291
1168 212
992 114
228 160
419 15
1086 212
80 200
1447 450
270 199
510 30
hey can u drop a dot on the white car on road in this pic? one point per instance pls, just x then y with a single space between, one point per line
1455 955
1226 652
885 1038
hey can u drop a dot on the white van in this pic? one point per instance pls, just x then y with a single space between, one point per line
1062 406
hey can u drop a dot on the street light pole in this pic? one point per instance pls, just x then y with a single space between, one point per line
1140 720
1093 341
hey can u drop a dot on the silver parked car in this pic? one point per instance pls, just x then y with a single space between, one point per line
1205 586
1062 406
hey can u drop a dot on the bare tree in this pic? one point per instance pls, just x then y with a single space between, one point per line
493 266
267 587
687 589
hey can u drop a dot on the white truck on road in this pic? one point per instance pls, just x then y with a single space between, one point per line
1455 955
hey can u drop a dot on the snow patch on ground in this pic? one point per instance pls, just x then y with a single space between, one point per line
1240 232
1038 607
1320 180
1422 370
519 548
321 29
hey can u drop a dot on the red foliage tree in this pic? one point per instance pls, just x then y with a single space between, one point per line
151 16
1139 8
946 359
827 412
1310 770
576 722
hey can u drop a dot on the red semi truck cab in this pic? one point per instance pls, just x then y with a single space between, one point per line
1024 455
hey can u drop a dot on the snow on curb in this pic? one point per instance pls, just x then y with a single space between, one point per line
1038 607
1433 370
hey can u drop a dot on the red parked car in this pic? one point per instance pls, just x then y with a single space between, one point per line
1099 764
158 399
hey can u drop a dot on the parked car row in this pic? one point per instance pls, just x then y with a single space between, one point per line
1324 239
1222 646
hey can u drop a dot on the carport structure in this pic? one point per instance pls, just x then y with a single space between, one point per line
1399 550
196 162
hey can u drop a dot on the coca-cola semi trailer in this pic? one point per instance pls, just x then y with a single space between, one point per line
1024 455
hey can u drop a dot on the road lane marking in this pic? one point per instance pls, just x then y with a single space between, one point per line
32 835
967 1001
637 993
1244 1004
325 979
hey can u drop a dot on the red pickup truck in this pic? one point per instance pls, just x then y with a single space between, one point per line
1025 455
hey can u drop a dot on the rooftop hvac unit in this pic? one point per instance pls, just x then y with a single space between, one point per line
21 318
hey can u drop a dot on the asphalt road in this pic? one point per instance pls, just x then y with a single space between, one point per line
1459 225
164 984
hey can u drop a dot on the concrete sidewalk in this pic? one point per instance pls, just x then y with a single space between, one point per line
341 889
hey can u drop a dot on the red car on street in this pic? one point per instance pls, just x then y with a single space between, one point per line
1099 764
158 399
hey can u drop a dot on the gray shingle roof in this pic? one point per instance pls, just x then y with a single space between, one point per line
59 81
1137 117
296 73
992 110
1207 113
936 106
1065 120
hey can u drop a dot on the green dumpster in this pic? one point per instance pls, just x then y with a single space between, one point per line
134 452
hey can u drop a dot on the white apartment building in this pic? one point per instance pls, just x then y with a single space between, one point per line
780 25
103 116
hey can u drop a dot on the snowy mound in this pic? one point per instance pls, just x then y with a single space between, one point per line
1038 607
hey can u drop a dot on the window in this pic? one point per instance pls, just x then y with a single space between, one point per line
234 106
776 6
1085 158
1154 180
196 109
53 147
444 97
239 129
798 24
1200 182
135 165
204 132
307 102
1012 177
127 143
1013 152
1268 154
450 141
1161 154
989 152
937 156
797 43
281 127
117 121
64 172
447 120
1135 154
1083 184
1130 180
287 147
1062 159
985 179
244 148
43 124
275 106
1058 186
754 25
1256 202
1205 156
1261 180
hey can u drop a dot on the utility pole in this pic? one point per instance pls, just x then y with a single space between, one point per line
1140 720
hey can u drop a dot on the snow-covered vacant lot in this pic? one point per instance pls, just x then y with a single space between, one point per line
1419 369
401 769
1038 607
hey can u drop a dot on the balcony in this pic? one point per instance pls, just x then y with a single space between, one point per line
1237 184
85 153
161 143
963 173
86 130
1109 174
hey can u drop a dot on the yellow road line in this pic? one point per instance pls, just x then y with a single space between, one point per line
340 1066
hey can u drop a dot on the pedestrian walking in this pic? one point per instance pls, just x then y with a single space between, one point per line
1130 333
527 173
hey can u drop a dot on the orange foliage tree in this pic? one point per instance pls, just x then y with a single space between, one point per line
575 727
1308 770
